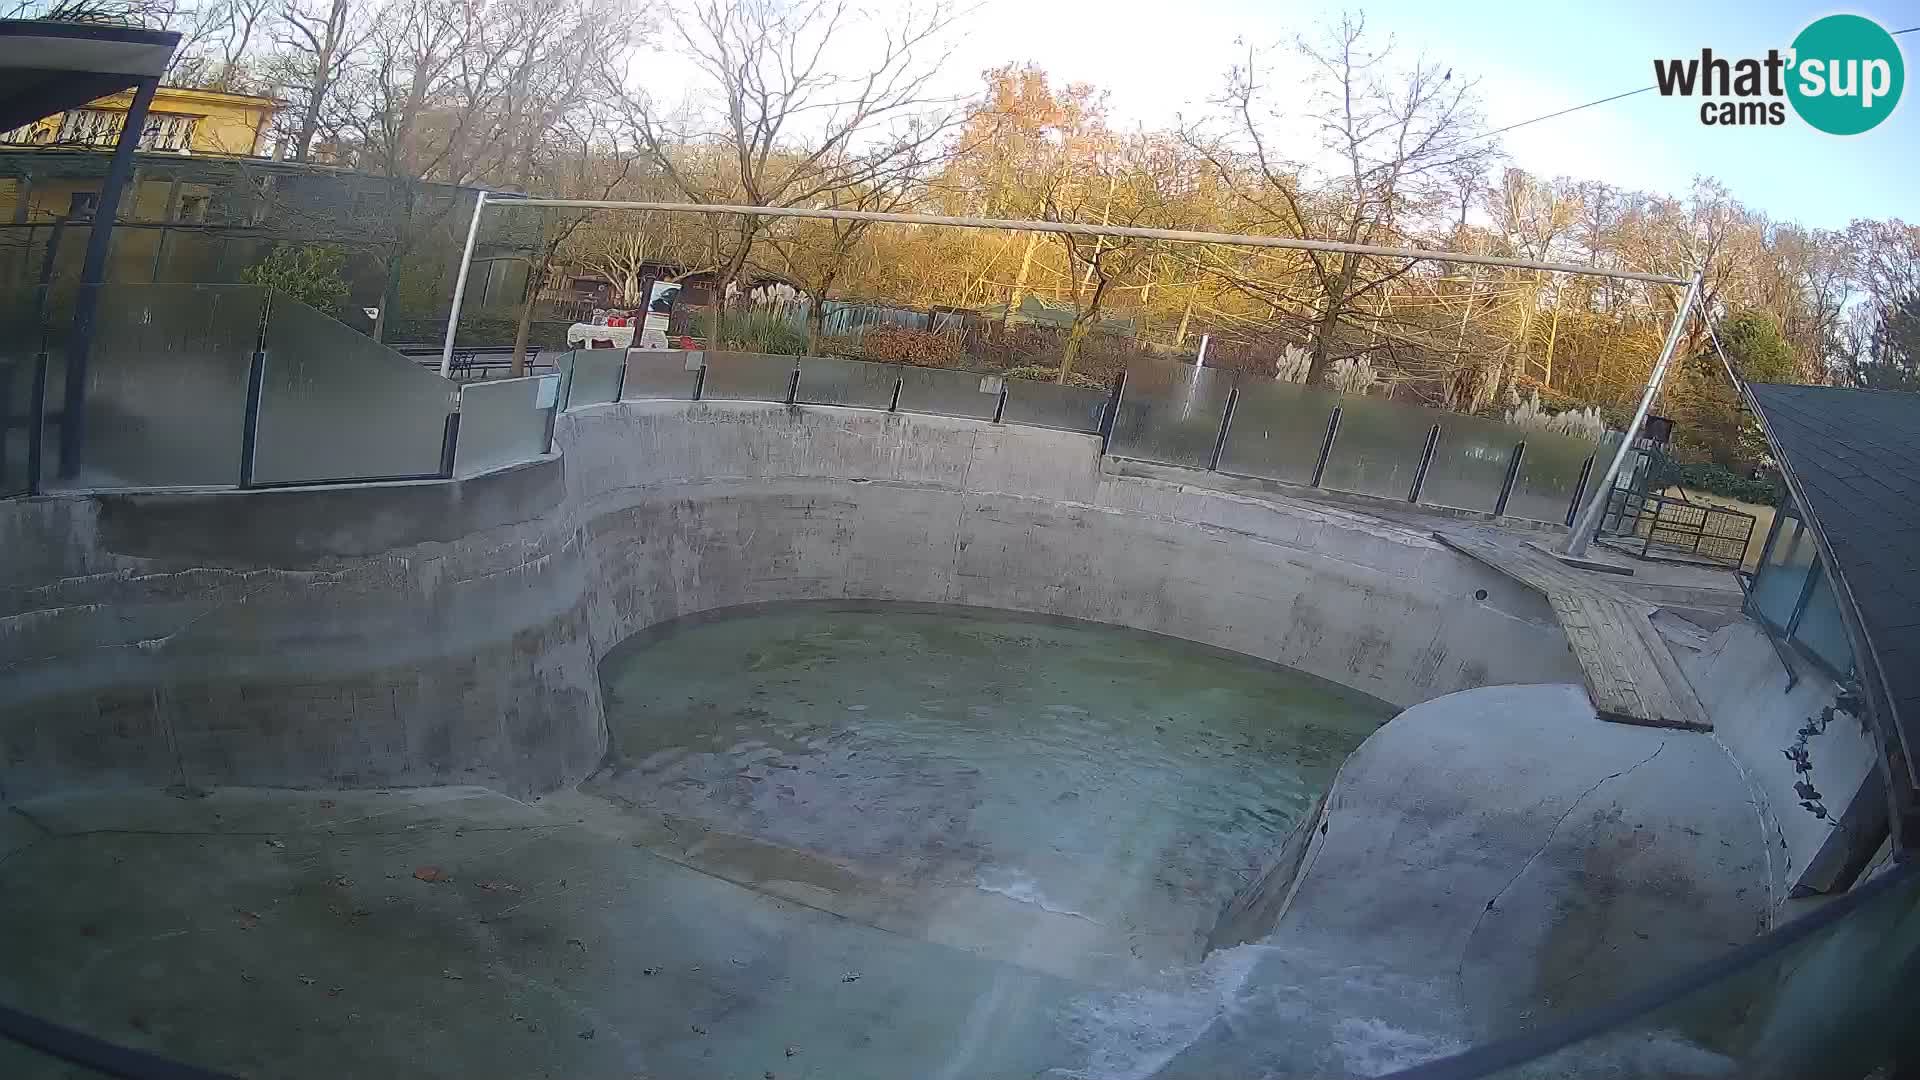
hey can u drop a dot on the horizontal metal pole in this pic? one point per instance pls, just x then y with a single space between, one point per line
1075 228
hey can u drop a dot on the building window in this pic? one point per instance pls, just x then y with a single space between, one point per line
81 205
1793 598
101 127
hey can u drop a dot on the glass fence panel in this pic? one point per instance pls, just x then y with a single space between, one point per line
337 405
1277 430
1051 405
591 376
657 373
949 392
1469 463
504 422
1549 473
733 376
166 388
825 380
1378 447
1820 630
1830 998
69 260
1170 413
1777 584
19 355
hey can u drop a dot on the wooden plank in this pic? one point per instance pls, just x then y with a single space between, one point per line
1630 674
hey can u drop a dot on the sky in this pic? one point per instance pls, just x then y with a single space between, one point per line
1162 61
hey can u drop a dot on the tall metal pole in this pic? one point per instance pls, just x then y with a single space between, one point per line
1588 522
460 285
86 304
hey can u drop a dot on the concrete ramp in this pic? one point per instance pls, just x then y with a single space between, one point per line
1489 861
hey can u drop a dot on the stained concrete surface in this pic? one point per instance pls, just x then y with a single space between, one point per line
1742 680
291 935
1489 861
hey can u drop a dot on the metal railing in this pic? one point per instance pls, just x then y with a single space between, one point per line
1654 526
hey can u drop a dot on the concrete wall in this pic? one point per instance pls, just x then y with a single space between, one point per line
403 634
448 631
691 507
1742 682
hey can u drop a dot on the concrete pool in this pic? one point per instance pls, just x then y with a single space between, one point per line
312 782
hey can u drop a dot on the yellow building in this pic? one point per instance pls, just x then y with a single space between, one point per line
180 121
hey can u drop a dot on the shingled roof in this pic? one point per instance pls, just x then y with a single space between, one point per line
1852 461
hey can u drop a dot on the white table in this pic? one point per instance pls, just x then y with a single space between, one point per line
581 335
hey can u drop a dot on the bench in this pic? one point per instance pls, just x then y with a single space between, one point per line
469 361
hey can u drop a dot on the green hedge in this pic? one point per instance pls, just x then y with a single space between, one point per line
1719 480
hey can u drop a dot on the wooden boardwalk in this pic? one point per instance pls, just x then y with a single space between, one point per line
1631 674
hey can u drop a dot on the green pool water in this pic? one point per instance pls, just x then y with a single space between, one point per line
1129 782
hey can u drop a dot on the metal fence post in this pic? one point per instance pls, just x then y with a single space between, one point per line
256 389
250 420
1000 403
793 385
1226 421
1426 462
1513 474
1108 415
1579 491
1326 446
699 380
449 442
898 382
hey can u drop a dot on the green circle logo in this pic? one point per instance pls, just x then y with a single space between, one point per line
1847 74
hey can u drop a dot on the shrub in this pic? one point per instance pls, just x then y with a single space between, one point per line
1352 374
1292 364
1049 374
1717 479
899 345
315 275
1578 423
757 331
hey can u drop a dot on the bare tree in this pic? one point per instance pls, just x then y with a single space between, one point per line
814 254
317 38
1392 144
464 92
793 125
